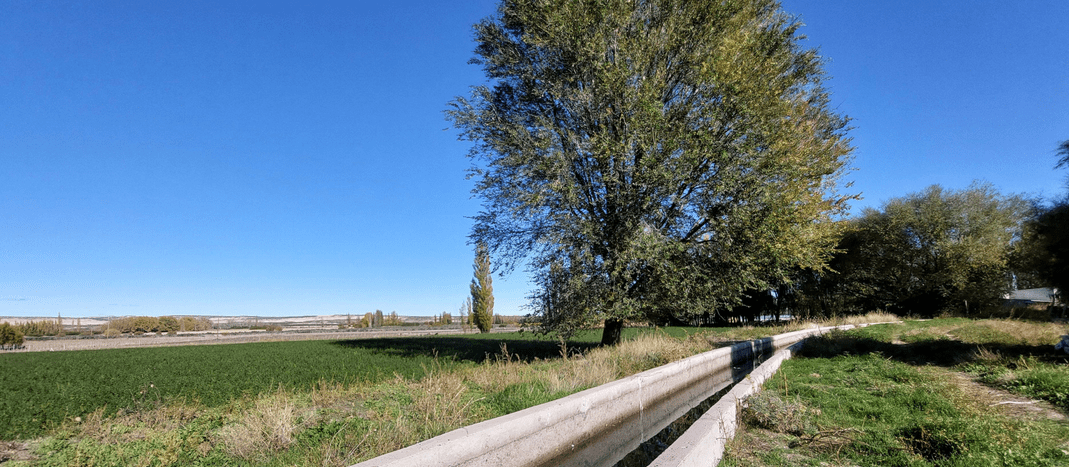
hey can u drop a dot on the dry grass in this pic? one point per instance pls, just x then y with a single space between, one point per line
267 427
1028 332
131 426
871 317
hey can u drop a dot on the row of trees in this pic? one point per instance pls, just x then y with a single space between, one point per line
148 324
662 160
929 253
373 320
46 327
934 252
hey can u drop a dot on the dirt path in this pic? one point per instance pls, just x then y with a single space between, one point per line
1007 403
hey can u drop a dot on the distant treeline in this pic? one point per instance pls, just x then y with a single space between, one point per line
373 320
146 324
114 327
379 319
47 327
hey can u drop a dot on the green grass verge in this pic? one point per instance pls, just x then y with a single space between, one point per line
888 395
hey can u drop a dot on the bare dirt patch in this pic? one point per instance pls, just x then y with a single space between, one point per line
15 451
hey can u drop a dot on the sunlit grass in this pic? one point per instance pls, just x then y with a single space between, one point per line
887 395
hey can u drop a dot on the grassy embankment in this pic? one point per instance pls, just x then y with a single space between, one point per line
285 403
946 392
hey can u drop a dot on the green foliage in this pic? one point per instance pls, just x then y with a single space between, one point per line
1043 254
650 157
41 328
1063 154
933 252
10 335
189 323
168 324
146 324
482 290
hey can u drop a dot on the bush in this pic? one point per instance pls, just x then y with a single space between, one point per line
169 324
771 412
10 335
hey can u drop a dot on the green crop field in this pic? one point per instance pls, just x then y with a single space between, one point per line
38 390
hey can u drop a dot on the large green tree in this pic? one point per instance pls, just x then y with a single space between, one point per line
1045 250
1044 253
650 156
937 251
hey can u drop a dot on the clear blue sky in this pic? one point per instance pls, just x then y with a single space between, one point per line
225 158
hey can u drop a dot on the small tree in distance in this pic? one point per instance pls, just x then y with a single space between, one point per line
482 290
465 314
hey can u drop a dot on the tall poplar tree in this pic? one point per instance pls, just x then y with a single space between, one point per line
482 290
650 156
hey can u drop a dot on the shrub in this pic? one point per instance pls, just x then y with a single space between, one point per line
10 335
769 411
168 324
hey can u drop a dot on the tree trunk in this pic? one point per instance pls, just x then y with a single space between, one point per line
611 334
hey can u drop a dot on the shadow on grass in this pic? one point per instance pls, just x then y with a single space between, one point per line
940 352
466 348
